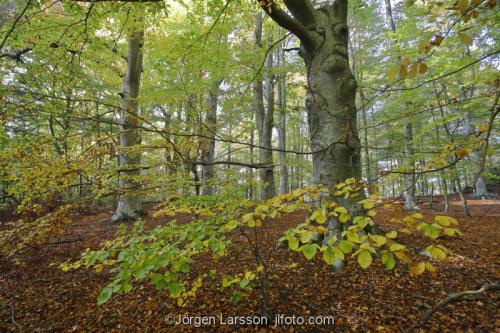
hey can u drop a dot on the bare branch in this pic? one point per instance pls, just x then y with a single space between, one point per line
453 298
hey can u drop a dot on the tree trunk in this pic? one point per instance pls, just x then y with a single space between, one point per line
409 179
264 118
410 182
208 171
330 101
480 189
331 94
331 110
130 203
284 188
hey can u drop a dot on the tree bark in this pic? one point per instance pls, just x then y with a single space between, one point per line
130 203
284 188
208 171
264 117
409 178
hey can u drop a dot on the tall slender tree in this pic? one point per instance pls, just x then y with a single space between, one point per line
130 203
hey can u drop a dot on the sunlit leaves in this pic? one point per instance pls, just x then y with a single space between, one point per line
364 259
417 269
392 234
293 243
388 260
309 250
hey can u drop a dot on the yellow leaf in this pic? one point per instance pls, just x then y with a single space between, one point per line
429 267
344 217
293 243
462 152
319 216
391 234
378 240
367 204
437 253
396 247
417 216
417 269
484 128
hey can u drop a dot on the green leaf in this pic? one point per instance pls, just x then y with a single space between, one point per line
306 236
388 260
174 289
329 256
105 295
338 253
309 251
293 243
345 246
231 225
364 259
127 287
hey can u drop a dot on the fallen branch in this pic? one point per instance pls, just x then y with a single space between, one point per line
465 295
12 317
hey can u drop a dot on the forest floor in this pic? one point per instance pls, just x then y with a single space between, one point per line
38 297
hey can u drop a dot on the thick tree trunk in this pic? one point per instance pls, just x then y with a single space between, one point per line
284 188
331 110
331 94
130 203
208 171
330 101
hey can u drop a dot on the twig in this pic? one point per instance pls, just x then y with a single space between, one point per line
465 295
12 317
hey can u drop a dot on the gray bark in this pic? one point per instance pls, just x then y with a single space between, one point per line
409 179
480 189
284 188
130 203
208 171
331 94
264 117
331 110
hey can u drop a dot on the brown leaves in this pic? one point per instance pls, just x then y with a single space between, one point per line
406 69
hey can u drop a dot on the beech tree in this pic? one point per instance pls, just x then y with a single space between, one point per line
130 202
321 27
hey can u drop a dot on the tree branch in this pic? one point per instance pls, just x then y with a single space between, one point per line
288 22
17 55
302 10
453 298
